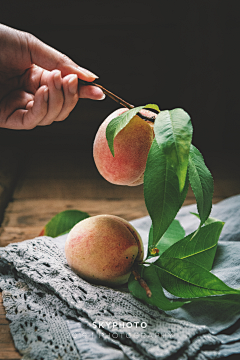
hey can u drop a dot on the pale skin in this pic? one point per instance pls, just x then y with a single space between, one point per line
38 84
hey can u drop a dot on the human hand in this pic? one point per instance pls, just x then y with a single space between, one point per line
38 84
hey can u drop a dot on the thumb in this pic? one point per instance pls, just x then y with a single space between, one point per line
49 58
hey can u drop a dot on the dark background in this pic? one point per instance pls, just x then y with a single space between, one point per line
172 53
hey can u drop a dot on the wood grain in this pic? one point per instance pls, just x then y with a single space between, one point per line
7 348
11 161
24 219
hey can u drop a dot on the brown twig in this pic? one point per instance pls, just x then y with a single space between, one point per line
142 283
109 93
116 98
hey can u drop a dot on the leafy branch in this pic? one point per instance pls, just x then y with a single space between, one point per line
183 262
175 262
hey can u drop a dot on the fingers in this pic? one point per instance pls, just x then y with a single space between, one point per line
63 96
37 109
49 58
53 101
56 98
68 102
70 89
91 92
34 112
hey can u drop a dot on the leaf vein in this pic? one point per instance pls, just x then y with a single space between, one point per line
188 282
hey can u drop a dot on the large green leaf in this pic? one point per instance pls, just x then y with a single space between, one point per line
183 278
174 233
118 123
220 301
184 192
161 191
173 132
201 182
158 298
209 219
63 222
198 247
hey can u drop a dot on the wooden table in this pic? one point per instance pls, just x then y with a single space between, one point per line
53 181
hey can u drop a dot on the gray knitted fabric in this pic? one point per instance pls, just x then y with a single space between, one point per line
42 296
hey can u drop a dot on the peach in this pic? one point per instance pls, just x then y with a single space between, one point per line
131 147
103 249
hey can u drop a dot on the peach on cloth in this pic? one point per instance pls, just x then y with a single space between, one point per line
103 248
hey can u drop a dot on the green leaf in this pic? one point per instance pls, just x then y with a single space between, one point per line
209 219
150 239
161 191
201 182
63 222
183 278
152 107
158 298
174 233
173 132
118 123
221 301
184 192
198 247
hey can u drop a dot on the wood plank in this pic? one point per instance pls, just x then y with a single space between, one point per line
25 219
7 348
73 175
37 212
3 320
9 355
68 175
10 165
5 335
50 188
18 227
2 310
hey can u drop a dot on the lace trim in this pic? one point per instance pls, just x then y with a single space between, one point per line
38 328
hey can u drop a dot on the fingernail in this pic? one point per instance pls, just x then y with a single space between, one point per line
73 84
87 72
103 97
45 94
57 80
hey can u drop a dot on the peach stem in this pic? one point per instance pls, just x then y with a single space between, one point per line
109 93
115 98
142 283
